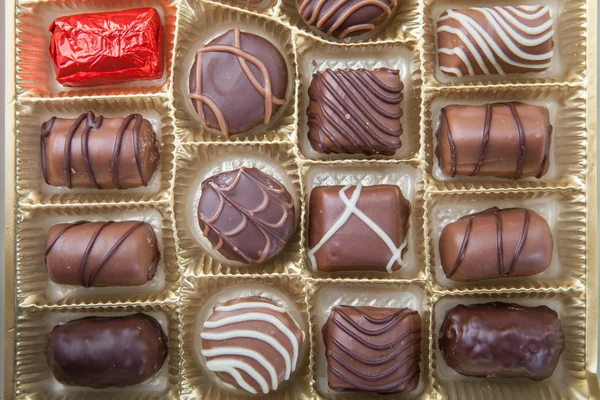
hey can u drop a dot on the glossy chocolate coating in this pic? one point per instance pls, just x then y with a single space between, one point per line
501 339
247 215
345 242
98 152
255 338
355 111
505 140
341 19
102 253
101 352
496 243
373 349
243 82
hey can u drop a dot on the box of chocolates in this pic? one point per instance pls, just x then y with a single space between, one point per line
312 199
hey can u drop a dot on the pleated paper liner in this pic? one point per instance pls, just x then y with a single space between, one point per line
315 55
568 62
34 285
199 23
34 380
200 295
324 295
31 114
35 73
407 175
563 210
196 162
262 7
569 378
568 147
405 24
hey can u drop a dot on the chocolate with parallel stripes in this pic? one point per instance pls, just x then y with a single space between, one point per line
505 140
98 152
373 349
496 243
102 253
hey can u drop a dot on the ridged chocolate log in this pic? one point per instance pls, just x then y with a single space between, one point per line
102 253
98 152
101 352
496 243
505 140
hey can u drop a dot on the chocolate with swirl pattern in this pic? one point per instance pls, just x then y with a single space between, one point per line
496 243
373 349
98 152
355 111
247 215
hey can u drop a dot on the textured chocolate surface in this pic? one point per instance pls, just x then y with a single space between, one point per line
102 253
496 243
373 349
505 140
495 40
101 352
355 111
247 215
98 152
357 228
341 18
252 344
238 81
501 339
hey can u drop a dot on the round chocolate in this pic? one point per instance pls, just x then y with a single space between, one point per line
247 215
237 82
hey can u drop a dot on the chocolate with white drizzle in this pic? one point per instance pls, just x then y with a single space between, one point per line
504 140
247 215
496 243
251 344
495 41
102 253
97 152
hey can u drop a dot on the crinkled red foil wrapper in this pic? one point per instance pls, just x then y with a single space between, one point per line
107 48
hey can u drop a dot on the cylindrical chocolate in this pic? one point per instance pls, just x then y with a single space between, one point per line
98 152
501 339
101 352
505 140
102 253
496 243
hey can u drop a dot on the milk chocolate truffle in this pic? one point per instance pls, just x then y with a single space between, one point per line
340 18
372 349
251 344
97 152
496 243
355 111
353 228
495 40
505 140
101 352
247 215
502 340
237 82
102 253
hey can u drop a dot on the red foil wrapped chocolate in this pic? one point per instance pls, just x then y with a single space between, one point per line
107 48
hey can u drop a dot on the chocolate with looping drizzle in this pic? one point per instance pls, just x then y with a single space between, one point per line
373 349
247 215
97 254
355 111
521 241
259 73
505 140
99 152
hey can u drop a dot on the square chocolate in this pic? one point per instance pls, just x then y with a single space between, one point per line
373 349
353 228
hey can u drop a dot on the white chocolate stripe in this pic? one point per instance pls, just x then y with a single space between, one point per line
540 11
449 70
530 30
472 49
463 57
231 366
249 304
494 19
238 351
